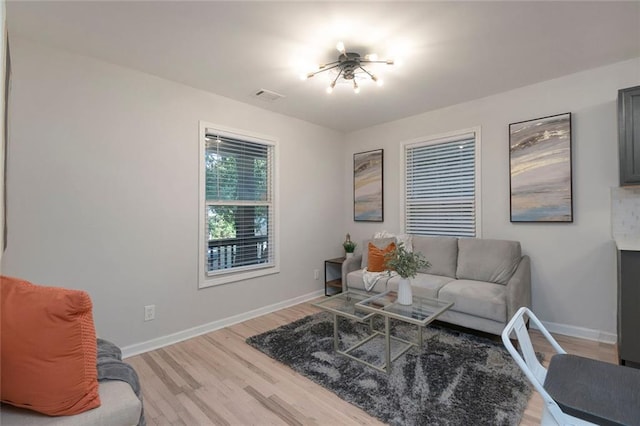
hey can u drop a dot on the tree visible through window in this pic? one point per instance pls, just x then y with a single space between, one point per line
238 204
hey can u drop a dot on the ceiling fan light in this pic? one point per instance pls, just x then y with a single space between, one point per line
379 82
331 86
349 66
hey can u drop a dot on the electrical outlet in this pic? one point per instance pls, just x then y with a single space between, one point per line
316 274
149 312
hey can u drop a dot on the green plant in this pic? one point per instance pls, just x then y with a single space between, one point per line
349 246
405 263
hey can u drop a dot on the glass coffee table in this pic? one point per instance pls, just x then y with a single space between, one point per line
344 305
422 312
362 307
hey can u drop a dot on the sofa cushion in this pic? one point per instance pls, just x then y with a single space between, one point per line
425 285
379 242
49 350
478 298
494 261
441 252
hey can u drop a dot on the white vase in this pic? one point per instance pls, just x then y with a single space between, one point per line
349 255
405 296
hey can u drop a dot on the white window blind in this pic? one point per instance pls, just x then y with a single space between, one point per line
440 187
239 204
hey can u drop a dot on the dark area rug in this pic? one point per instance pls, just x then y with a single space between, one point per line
456 379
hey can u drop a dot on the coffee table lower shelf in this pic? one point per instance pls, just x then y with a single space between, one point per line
385 367
361 307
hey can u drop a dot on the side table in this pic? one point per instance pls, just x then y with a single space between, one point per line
333 276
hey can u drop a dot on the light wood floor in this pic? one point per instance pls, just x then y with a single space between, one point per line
217 379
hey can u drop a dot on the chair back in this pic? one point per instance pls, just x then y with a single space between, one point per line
531 366
526 358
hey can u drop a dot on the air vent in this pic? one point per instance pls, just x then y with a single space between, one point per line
268 95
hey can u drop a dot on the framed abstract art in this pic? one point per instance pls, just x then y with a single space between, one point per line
540 169
367 186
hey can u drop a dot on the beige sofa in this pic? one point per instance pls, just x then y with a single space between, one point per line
488 280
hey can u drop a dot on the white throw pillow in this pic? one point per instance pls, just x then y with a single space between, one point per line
405 239
382 234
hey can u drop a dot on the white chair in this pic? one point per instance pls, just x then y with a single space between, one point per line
593 390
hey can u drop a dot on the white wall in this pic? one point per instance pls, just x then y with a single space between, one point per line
3 41
103 177
103 193
573 265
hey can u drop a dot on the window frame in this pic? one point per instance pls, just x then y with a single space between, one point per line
439 139
242 273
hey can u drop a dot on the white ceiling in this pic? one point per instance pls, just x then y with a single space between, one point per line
451 51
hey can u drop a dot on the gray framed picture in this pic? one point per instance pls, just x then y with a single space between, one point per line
540 170
368 197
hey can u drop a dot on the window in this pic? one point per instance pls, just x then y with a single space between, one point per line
441 186
237 220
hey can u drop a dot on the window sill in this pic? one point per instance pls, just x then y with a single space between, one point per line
231 277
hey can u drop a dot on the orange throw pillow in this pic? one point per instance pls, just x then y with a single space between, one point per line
48 349
376 261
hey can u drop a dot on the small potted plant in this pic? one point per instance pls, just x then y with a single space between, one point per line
406 264
349 246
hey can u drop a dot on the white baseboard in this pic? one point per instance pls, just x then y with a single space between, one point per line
580 332
170 339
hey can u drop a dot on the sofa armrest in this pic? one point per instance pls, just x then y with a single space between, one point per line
519 287
350 264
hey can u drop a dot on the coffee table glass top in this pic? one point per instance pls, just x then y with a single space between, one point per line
421 312
344 304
